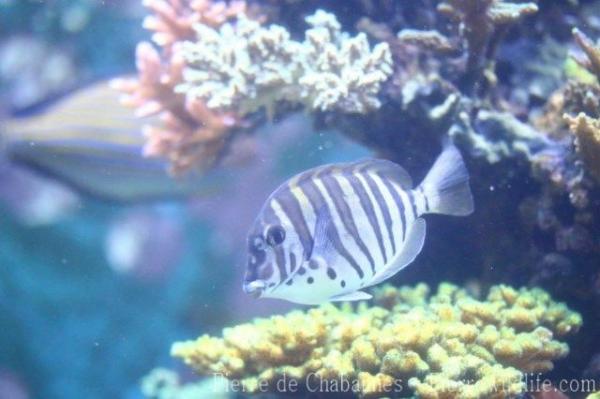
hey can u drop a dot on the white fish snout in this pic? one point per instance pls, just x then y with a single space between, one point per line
254 288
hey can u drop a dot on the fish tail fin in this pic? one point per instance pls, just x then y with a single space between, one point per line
445 189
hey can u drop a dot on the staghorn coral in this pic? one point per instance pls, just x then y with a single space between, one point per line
427 39
587 141
480 24
478 21
245 66
447 345
174 20
187 133
582 99
591 50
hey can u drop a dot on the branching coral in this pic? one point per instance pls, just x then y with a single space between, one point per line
478 21
245 66
587 141
209 73
174 20
591 50
449 345
479 24
583 99
188 134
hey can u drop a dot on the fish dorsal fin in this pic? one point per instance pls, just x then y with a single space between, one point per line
386 169
353 296
415 237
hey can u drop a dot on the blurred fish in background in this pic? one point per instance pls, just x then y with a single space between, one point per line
12 386
89 141
145 242
35 200
47 69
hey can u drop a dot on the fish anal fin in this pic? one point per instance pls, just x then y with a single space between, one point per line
353 296
415 237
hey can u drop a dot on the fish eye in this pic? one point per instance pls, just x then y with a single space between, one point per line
275 235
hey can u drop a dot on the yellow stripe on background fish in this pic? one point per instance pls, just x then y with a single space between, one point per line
331 231
90 113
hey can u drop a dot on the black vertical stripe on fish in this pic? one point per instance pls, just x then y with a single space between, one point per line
399 203
280 261
413 207
367 207
333 188
272 218
292 208
424 198
317 201
292 262
383 205
311 174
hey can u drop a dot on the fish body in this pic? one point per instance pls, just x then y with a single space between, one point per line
329 232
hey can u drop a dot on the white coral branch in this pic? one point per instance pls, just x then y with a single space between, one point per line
246 66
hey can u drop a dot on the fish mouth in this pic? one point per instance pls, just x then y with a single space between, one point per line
254 288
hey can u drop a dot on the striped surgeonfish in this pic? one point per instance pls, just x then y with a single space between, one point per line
329 232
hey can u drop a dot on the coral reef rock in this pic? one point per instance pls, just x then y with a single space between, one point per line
447 345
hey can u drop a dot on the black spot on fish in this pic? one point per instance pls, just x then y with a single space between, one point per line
343 283
310 280
313 264
301 271
289 282
331 273
271 285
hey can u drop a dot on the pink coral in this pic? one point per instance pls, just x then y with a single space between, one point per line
183 131
173 20
195 143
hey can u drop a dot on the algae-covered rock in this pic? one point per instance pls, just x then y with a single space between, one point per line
447 345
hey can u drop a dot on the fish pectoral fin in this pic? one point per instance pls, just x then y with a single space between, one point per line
415 237
353 296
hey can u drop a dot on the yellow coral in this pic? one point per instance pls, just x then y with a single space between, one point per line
449 345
